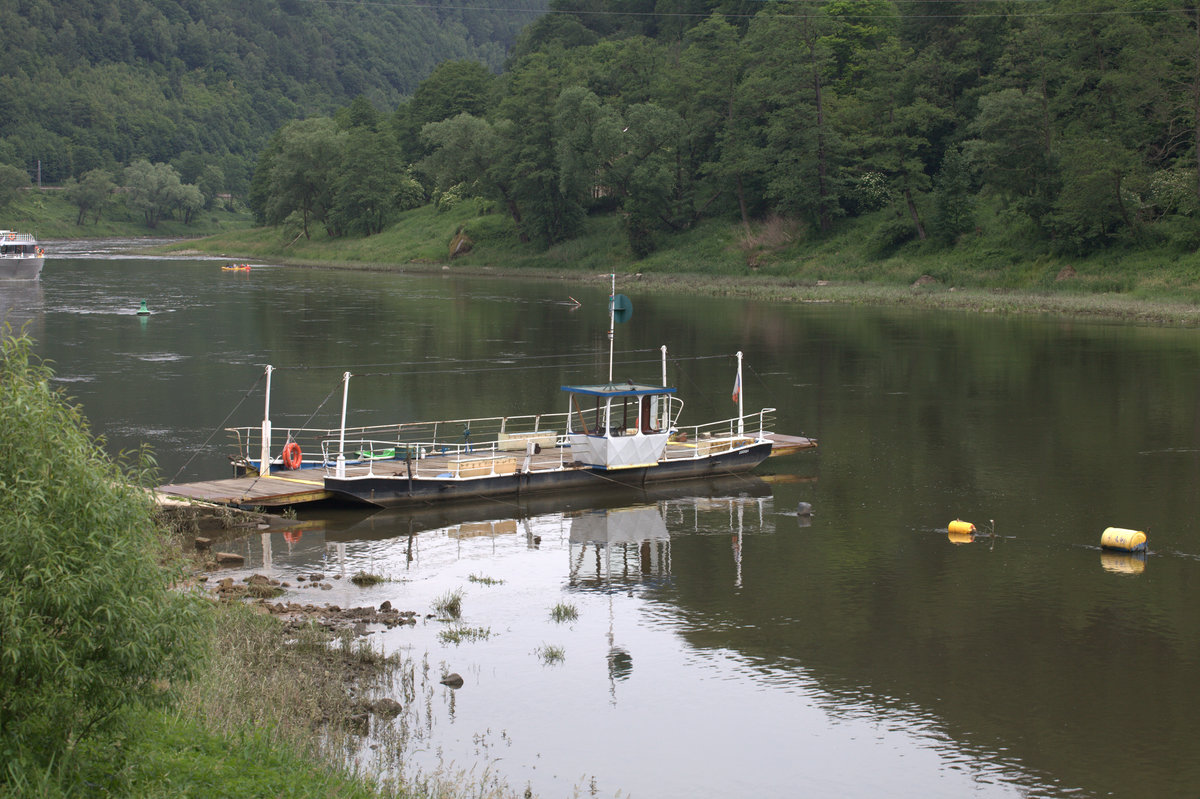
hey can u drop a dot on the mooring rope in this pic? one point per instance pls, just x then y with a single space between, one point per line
219 427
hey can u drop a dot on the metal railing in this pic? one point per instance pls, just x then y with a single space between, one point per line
473 433
427 459
461 438
703 440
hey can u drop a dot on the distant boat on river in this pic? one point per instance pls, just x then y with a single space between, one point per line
21 257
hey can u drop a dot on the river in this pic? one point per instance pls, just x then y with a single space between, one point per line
724 645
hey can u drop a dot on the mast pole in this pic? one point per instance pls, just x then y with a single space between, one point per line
666 402
612 321
341 457
741 414
264 457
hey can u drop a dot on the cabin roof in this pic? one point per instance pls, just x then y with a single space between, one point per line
627 389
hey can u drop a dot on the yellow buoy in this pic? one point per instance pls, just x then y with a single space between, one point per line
960 538
961 527
1122 539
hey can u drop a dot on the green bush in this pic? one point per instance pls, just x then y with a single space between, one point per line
90 621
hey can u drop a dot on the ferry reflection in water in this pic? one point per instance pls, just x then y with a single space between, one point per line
609 546
619 546
613 550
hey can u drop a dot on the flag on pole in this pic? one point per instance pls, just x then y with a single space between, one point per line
737 387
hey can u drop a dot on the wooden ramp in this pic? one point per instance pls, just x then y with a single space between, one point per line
782 444
266 492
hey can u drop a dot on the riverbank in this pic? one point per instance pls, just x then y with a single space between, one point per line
773 261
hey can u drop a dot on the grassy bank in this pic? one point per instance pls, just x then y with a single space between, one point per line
46 214
992 270
120 676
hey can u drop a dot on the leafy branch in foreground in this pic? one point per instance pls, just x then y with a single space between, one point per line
90 618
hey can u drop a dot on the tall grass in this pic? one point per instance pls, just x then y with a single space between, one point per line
449 604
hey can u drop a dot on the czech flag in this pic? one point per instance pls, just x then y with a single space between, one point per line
737 387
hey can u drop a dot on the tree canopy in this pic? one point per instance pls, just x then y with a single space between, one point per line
87 85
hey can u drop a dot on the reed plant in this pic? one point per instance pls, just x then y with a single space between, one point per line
459 633
449 604
551 655
564 612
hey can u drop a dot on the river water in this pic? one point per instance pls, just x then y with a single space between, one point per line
723 645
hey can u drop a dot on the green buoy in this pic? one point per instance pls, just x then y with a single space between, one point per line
143 311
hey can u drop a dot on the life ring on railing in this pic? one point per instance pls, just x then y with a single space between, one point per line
291 455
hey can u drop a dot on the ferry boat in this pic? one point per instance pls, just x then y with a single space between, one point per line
21 257
611 435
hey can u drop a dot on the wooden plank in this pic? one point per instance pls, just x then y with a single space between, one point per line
266 491
782 444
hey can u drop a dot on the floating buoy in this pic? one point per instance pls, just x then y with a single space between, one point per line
1122 539
143 311
960 527
804 509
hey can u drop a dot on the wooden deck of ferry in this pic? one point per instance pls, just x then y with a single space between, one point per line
306 486
274 491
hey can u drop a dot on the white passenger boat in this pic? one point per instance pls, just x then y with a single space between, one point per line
21 257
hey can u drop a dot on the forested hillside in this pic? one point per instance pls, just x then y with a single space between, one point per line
1074 123
99 84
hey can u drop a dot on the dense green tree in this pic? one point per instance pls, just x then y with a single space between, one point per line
1098 203
528 166
468 152
893 123
12 180
648 175
371 184
90 194
954 199
1011 150
668 111
588 138
155 191
801 148
462 150
453 88
91 617
713 64
296 174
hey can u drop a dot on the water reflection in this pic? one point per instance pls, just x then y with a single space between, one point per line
1123 562
21 306
613 539
627 545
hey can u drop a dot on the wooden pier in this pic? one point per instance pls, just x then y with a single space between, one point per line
274 491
